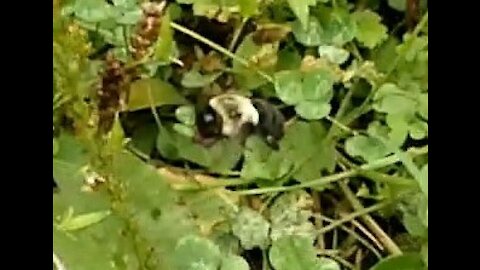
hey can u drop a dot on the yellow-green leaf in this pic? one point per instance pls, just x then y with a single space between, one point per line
401 262
145 93
371 32
248 7
82 221
301 10
164 46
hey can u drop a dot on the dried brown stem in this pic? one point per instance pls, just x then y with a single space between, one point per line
317 207
386 241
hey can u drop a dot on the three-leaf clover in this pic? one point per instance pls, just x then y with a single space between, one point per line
310 92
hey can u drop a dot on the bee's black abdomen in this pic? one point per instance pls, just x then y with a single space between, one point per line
271 122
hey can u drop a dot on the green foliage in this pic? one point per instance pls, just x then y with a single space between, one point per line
108 21
290 216
148 93
331 26
234 262
369 148
370 31
310 92
221 10
71 223
424 184
304 160
415 215
91 229
340 27
165 44
138 208
248 7
333 54
288 59
144 138
145 194
262 162
262 57
312 154
221 157
311 35
193 252
251 228
301 10
194 79
186 114
407 261
296 252
399 5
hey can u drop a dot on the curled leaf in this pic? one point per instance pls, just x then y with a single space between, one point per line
73 223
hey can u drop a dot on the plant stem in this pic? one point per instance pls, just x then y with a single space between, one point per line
355 51
209 43
341 126
137 152
318 221
386 241
183 181
380 163
219 48
152 108
356 236
216 184
414 35
236 34
365 106
367 233
318 182
421 24
388 179
339 259
348 97
358 259
377 176
125 40
335 239
360 110
354 215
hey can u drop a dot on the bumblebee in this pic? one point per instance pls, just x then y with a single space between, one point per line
233 115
